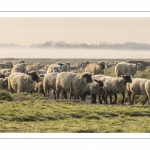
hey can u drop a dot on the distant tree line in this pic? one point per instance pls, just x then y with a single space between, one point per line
101 45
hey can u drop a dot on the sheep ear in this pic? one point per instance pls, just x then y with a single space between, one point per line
96 81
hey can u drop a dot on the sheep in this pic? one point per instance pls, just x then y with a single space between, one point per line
137 87
123 68
2 75
58 67
81 65
39 88
95 68
72 68
114 85
18 68
92 89
41 71
101 89
38 65
22 82
143 63
3 71
30 68
147 89
49 83
7 74
3 84
69 82
8 64
116 62
18 62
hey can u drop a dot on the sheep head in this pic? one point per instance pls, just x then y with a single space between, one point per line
101 64
127 78
34 75
87 76
100 83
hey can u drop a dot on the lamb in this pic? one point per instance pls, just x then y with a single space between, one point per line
73 83
22 82
137 87
96 68
49 83
114 85
92 89
39 88
123 68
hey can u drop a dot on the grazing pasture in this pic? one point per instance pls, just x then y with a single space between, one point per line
34 113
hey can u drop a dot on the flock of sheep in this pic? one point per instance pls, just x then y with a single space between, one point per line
64 80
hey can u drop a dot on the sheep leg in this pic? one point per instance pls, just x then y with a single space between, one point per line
129 95
123 95
105 98
110 99
145 100
100 98
83 96
65 94
148 99
132 98
57 94
54 93
93 97
115 101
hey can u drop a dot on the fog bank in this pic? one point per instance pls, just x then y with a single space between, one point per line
72 53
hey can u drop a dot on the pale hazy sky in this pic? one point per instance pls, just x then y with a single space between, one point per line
26 31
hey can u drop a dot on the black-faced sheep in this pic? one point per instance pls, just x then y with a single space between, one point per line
22 82
72 83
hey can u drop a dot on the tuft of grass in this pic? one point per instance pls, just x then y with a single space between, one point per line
4 95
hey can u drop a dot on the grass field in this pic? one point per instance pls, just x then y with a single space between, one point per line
26 113
33 114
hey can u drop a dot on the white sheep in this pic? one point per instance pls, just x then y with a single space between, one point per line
95 68
123 68
114 85
58 67
49 83
72 83
137 87
22 82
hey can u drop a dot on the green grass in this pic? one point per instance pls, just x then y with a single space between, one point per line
49 116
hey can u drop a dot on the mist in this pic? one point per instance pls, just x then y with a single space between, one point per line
72 53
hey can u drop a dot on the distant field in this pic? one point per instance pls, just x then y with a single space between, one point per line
71 60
